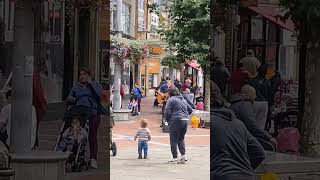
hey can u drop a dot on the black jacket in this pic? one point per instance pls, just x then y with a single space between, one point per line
234 151
243 109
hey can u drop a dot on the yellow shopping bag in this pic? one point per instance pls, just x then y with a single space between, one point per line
269 176
195 121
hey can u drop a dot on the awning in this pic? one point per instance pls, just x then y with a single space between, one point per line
273 14
194 64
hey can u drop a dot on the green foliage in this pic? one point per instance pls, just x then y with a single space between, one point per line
137 52
306 15
188 31
171 61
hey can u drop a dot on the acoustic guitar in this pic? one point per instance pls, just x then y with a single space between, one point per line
162 97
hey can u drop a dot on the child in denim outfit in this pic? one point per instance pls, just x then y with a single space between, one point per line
72 136
144 136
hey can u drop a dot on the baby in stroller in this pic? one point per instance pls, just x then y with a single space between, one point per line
72 136
73 140
133 105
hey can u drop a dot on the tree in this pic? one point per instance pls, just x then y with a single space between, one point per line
188 34
306 15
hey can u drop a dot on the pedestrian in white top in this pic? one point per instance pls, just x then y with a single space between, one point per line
144 136
5 122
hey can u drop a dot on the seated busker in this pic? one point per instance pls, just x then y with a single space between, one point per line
234 152
242 106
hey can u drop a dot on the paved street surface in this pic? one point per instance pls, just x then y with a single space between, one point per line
126 165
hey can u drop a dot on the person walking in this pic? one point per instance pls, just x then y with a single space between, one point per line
177 112
187 95
234 152
177 84
251 63
144 136
137 93
238 78
221 76
85 95
39 102
187 84
264 96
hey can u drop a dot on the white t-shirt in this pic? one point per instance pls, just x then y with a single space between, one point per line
5 118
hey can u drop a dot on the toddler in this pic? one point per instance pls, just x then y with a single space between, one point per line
72 136
144 136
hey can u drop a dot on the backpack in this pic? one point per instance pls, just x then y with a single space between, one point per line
288 140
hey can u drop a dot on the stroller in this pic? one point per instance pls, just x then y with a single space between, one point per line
133 105
77 158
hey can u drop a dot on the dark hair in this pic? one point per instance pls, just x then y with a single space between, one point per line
8 94
87 70
174 92
167 78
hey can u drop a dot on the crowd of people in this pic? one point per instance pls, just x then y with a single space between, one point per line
241 103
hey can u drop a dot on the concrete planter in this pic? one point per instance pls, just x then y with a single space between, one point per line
121 115
39 165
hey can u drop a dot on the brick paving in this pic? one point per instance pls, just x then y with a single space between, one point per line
126 166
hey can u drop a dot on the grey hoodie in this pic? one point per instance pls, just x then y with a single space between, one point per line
243 108
234 152
177 108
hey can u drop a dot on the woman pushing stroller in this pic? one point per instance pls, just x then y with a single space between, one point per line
84 98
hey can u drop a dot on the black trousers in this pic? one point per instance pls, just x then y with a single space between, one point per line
178 130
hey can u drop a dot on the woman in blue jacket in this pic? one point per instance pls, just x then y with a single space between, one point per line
85 96
137 93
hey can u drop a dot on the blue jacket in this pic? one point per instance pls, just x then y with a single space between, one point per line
137 92
177 108
85 97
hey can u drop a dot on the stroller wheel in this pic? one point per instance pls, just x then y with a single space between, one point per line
114 149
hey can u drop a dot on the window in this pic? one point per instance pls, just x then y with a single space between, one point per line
154 23
141 5
141 26
126 18
113 16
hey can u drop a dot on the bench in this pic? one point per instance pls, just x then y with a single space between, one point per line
290 167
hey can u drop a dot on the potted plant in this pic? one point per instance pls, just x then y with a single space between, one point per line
138 52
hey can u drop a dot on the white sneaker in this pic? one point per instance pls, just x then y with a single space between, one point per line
139 113
173 160
93 164
183 160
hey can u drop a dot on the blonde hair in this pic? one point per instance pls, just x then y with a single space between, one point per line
144 123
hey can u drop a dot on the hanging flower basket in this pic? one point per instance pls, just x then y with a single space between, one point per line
138 52
119 51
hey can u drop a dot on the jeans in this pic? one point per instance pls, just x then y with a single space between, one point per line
178 129
143 145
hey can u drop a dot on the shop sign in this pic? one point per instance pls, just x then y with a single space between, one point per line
156 50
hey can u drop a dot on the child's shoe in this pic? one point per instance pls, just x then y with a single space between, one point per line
145 157
140 157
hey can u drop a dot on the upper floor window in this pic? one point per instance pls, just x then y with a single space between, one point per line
126 18
141 5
